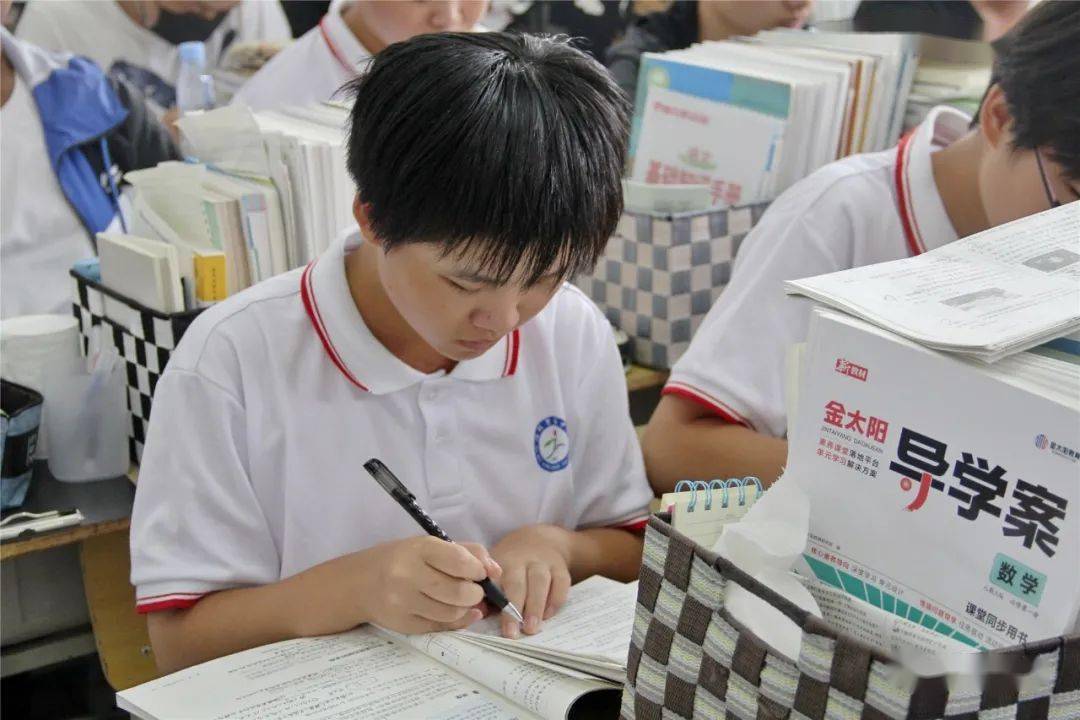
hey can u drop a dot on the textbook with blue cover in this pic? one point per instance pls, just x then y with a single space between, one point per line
749 117
697 124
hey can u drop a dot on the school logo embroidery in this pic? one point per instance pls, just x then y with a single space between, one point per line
551 444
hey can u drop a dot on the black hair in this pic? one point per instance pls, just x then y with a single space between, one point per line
507 147
1037 65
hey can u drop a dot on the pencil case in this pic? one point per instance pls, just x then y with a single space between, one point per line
20 421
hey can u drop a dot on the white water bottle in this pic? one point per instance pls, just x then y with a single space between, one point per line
195 88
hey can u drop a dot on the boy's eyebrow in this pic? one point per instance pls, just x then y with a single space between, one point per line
481 279
475 277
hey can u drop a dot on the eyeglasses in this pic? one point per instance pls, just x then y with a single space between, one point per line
1050 196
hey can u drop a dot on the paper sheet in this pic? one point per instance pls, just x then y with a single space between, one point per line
542 690
594 624
354 676
1001 291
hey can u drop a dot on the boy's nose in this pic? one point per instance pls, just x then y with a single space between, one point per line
446 14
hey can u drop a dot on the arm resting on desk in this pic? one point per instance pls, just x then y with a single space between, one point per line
414 585
684 441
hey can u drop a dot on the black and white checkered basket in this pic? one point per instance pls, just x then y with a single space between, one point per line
145 339
690 659
661 273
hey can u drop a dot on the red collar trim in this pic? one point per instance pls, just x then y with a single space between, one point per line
513 344
902 178
307 295
334 49
315 316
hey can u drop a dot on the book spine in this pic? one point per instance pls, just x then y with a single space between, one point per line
210 278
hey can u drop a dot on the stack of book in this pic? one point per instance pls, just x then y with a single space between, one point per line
950 72
269 193
750 117
299 152
945 489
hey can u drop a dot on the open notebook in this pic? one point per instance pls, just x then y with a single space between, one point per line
573 668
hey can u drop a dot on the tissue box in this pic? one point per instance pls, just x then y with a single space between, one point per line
145 339
690 659
661 273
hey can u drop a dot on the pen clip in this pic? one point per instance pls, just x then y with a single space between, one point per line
387 479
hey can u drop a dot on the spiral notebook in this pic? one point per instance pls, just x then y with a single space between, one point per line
700 509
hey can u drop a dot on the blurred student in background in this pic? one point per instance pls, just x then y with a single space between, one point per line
975 20
723 410
690 21
137 40
314 67
68 133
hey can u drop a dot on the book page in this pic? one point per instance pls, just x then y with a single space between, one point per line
353 676
1009 287
543 690
594 624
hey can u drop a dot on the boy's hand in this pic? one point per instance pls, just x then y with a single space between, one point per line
536 574
424 584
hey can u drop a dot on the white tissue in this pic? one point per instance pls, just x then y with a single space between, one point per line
766 544
34 346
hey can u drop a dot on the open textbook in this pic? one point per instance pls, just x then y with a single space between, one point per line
998 292
573 668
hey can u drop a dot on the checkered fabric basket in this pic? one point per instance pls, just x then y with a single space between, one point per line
661 273
144 338
690 659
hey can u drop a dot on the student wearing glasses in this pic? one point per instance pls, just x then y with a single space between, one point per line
723 410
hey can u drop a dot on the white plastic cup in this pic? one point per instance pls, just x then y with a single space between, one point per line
86 419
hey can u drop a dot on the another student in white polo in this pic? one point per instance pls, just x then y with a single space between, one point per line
445 344
319 63
723 409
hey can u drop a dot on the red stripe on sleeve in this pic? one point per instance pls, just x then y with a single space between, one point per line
166 603
708 402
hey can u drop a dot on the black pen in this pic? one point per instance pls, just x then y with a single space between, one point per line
389 482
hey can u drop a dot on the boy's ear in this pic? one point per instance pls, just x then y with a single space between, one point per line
995 121
360 211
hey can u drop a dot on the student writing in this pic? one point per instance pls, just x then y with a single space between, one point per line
443 341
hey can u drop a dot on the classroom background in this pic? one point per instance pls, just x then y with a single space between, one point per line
264 190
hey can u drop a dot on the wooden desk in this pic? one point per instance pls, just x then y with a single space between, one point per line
643 378
105 505
119 633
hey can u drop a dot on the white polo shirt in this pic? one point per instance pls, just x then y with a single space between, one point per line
861 210
276 397
41 236
107 35
310 70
